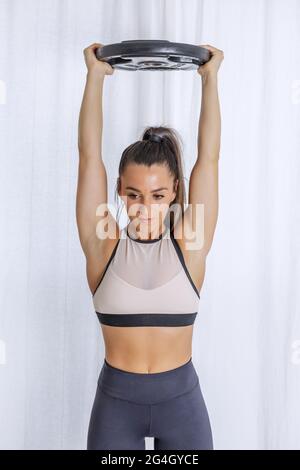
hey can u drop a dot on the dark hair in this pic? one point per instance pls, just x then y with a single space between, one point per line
165 148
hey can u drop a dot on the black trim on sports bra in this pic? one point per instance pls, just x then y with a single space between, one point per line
147 319
176 246
106 267
181 258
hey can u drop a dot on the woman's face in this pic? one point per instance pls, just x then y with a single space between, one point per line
147 193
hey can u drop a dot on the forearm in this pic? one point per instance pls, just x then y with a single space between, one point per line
209 129
90 121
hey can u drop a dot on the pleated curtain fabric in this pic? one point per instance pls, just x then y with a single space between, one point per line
246 342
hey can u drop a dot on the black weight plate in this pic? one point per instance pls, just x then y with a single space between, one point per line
153 54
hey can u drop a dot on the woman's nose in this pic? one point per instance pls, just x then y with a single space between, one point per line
145 212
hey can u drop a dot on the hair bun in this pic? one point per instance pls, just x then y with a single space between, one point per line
153 138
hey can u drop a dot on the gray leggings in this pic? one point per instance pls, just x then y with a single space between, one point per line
168 406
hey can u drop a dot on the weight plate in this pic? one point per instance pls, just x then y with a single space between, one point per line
153 54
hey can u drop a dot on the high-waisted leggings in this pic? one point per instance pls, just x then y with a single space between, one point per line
130 406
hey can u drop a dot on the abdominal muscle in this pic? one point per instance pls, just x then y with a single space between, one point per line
147 349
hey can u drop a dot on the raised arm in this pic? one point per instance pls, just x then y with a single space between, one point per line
92 178
203 186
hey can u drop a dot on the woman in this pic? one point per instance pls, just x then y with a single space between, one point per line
145 279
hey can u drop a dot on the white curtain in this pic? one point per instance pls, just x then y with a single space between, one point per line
246 342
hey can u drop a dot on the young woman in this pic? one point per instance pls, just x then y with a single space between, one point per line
145 279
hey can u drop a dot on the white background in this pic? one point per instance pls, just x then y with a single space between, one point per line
246 343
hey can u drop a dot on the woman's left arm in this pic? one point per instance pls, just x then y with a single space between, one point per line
203 186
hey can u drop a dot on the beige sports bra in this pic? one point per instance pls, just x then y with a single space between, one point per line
146 283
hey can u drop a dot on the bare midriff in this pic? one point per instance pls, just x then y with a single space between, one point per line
147 349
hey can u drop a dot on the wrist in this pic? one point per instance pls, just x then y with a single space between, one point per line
209 76
95 73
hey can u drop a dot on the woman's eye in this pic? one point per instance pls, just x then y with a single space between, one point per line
135 196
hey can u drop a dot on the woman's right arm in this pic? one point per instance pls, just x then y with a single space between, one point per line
92 178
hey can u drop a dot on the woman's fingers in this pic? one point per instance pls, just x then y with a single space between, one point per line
94 44
214 63
89 53
210 48
92 61
207 46
92 47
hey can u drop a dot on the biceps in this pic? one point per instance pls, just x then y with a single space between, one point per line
203 189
